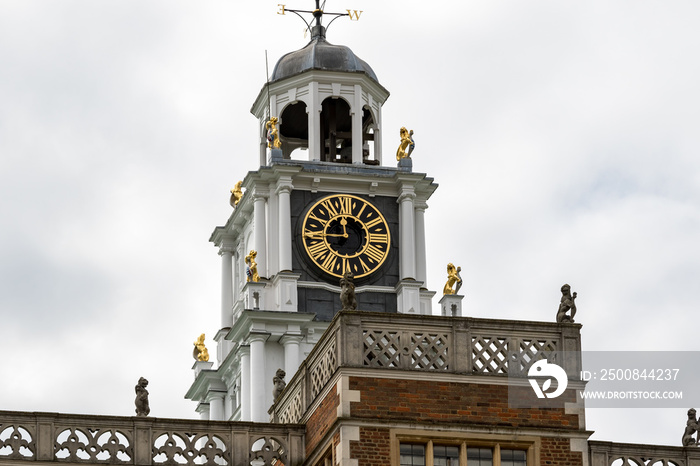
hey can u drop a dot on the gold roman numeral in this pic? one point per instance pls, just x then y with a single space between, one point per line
329 263
345 205
374 222
317 250
328 204
376 238
373 253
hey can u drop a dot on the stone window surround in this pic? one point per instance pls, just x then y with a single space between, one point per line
530 444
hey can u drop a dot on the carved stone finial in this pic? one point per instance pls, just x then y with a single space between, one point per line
691 428
453 278
141 402
566 304
347 292
273 137
236 194
279 384
252 267
200 352
406 145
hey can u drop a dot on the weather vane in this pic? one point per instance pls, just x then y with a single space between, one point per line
318 13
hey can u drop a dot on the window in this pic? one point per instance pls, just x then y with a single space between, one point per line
513 458
444 455
449 451
479 456
412 454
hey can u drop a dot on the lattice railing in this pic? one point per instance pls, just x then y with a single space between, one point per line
501 354
143 441
405 349
323 367
626 454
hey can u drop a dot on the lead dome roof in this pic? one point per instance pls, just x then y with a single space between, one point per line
319 54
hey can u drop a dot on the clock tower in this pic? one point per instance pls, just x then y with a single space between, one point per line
321 204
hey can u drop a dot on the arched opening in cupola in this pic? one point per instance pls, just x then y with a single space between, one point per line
336 131
294 128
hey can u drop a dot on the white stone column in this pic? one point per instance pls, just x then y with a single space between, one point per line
291 342
203 410
258 388
356 114
284 190
216 406
313 109
406 232
245 383
263 141
378 136
259 201
421 267
226 287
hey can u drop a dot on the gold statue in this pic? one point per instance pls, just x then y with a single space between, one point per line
252 267
453 278
200 353
407 144
273 136
236 194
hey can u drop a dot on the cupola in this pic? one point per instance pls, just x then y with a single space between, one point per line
326 100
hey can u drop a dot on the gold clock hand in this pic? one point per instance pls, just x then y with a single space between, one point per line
344 222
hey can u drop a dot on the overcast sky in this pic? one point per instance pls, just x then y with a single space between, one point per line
564 137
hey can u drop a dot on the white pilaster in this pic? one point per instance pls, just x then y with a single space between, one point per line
273 244
407 243
258 410
203 410
378 136
451 305
356 125
259 201
226 287
421 267
291 342
314 114
245 383
216 405
283 191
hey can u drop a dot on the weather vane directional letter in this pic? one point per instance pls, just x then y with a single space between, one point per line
318 13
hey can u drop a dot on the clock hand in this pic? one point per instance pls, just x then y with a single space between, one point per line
344 222
324 235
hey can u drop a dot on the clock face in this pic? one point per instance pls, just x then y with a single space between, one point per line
344 232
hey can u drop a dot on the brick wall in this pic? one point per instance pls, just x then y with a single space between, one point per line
321 420
445 402
373 449
557 451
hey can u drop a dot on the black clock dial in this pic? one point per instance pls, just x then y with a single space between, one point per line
346 233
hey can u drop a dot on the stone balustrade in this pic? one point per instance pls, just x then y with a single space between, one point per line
629 454
76 439
469 346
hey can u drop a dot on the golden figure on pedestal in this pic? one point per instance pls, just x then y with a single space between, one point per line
273 136
407 144
236 194
200 352
252 267
453 278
